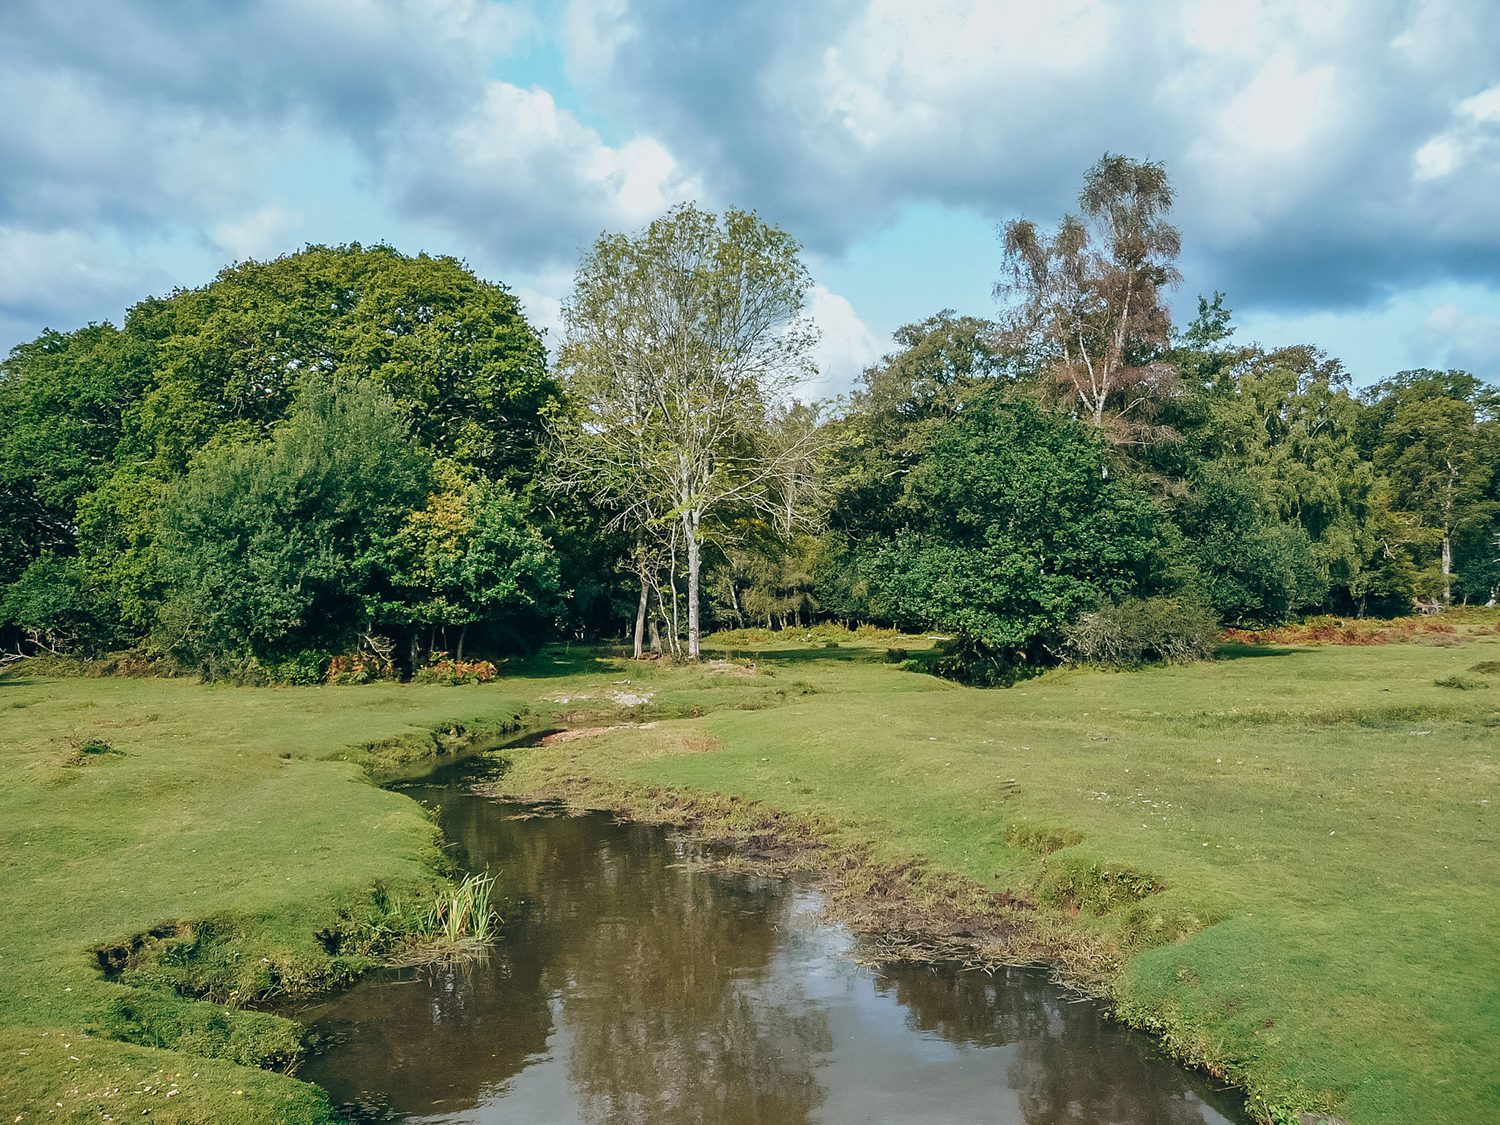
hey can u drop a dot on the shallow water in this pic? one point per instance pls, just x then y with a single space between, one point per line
633 985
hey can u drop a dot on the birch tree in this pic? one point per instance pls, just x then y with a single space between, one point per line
1088 299
682 344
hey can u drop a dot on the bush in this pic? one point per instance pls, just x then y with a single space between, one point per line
304 669
454 672
981 665
1135 631
359 668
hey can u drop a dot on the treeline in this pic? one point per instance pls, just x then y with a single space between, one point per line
332 452
349 458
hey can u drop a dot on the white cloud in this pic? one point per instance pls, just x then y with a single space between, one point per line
263 233
1290 129
528 182
845 347
1473 137
1458 338
58 277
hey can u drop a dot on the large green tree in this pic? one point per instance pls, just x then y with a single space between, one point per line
1435 435
99 427
268 548
683 343
454 349
1011 530
64 399
470 556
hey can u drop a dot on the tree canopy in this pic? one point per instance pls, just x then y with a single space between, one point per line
352 457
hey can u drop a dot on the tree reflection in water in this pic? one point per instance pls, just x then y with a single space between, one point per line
631 987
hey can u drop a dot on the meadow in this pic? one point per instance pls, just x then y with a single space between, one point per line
1283 860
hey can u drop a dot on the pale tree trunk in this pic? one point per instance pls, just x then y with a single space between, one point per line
1448 497
640 620
734 601
462 633
694 564
1447 569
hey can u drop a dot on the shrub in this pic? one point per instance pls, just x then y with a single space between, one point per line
305 668
359 668
445 670
1135 631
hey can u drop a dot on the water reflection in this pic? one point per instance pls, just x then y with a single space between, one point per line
634 987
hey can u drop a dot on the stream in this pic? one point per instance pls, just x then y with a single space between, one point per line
635 984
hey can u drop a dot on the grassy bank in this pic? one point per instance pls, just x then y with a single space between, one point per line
239 825
1285 861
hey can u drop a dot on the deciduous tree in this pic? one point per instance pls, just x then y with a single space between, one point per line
1087 300
682 343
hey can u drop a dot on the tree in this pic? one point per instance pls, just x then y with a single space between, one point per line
681 344
63 400
941 363
1088 300
267 549
1436 437
453 349
1285 419
1013 531
471 555
1250 566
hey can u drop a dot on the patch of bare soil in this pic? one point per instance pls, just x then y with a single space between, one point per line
573 734
731 667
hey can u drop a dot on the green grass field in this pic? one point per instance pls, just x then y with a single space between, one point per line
1319 819
211 804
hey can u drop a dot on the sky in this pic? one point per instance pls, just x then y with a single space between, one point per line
1337 164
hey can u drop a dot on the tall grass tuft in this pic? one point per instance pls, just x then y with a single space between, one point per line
466 913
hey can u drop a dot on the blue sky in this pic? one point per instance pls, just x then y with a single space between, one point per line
1337 164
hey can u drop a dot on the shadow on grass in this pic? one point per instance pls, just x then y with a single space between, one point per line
569 660
800 655
1238 650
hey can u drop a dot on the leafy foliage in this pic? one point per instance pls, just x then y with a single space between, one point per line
266 547
1015 529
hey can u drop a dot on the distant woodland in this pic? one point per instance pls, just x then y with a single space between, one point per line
352 463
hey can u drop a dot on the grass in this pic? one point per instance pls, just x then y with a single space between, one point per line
240 826
464 914
1284 860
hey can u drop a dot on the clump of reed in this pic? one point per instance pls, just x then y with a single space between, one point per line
463 915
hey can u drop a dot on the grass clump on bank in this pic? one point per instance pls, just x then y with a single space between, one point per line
219 853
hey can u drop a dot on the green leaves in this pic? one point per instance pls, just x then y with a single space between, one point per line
266 548
1012 530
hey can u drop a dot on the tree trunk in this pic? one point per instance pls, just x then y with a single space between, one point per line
734 601
1447 570
463 631
655 638
640 619
694 564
